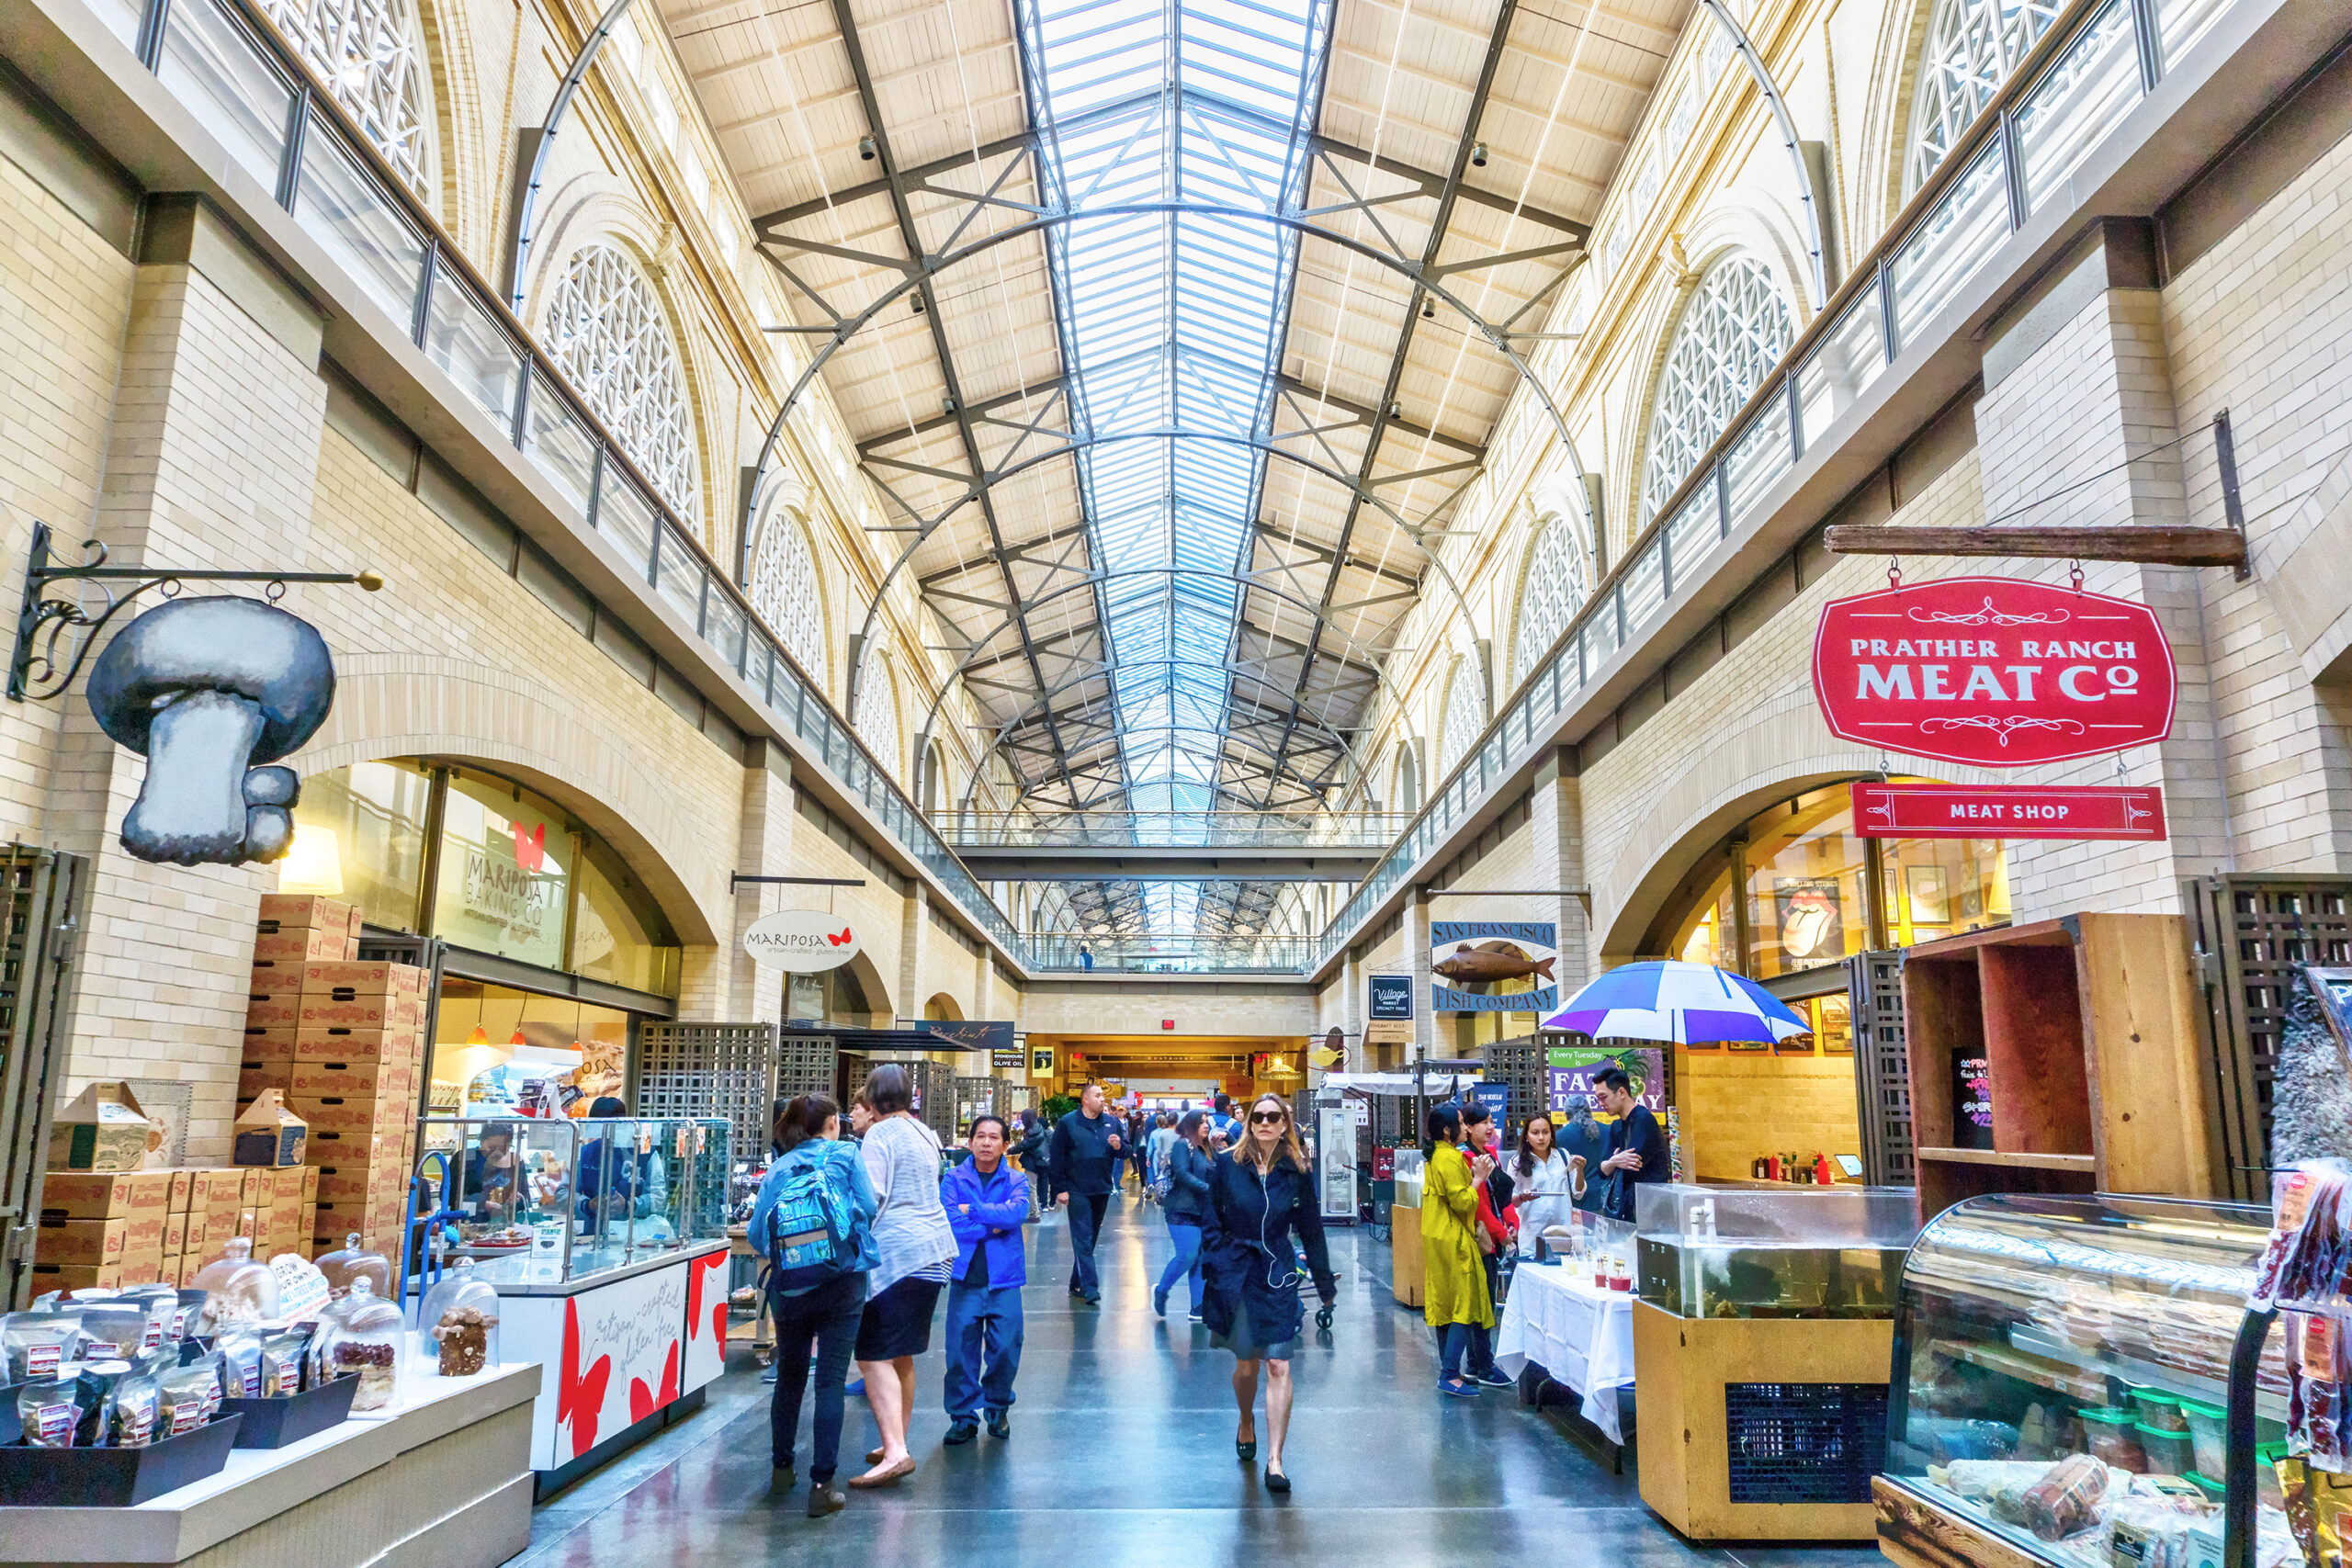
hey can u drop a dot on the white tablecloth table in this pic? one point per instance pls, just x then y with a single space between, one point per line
1582 1336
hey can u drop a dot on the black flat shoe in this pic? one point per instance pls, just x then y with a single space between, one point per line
1278 1483
1245 1449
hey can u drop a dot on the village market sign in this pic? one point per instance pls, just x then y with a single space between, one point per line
1993 673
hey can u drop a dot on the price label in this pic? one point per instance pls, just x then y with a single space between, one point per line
301 1289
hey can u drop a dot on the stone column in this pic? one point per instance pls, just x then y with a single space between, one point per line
914 934
1555 812
1352 1011
1417 955
763 847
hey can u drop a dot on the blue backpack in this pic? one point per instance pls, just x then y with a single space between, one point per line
813 1231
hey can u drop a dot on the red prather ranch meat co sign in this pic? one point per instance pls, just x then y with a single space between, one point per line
1992 672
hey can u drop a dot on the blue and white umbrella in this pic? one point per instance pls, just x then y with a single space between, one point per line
1686 1003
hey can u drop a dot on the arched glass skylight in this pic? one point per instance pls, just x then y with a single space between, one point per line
1553 590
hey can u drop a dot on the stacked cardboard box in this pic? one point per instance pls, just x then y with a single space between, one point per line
345 1042
101 1228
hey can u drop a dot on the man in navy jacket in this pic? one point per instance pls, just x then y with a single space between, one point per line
987 1204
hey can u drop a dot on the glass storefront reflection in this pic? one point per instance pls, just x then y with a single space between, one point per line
504 884
497 1050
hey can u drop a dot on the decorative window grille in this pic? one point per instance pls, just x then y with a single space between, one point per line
784 591
1465 715
1733 332
1972 48
370 55
605 328
878 714
1554 588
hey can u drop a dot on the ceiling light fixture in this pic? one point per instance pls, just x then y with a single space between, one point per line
1429 310
866 149
1477 154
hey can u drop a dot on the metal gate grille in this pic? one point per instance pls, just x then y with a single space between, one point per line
1520 1065
1805 1442
804 1064
2247 932
43 894
1882 1069
710 1069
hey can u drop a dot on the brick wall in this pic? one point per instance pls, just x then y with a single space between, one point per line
1737 1105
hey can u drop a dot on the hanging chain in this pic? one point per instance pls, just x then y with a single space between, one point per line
1894 572
2074 572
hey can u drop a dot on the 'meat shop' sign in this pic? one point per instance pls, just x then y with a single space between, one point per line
1992 672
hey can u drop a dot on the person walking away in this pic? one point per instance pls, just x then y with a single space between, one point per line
1162 1142
813 1222
917 1248
1545 1182
1454 1302
1138 1132
1221 1122
1030 1153
1085 1160
1637 1151
986 1205
1188 1191
1260 1197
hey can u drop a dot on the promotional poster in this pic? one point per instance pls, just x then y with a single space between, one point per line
1494 966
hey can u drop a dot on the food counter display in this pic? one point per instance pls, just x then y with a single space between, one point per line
2064 1388
1762 1331
606 1242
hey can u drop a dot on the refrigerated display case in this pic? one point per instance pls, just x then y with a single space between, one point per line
605 1239
1762 1333
2064 1387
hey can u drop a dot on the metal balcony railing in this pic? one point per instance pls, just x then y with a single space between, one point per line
1174 953
2091 69
1175 830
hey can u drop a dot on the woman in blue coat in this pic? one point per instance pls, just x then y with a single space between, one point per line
1260 1196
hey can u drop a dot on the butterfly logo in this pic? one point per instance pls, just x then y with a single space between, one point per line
644 1401
580 1397
841 941
531 848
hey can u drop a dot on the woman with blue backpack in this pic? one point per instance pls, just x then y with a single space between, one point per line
814 1221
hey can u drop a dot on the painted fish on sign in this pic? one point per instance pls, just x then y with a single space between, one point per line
1993 672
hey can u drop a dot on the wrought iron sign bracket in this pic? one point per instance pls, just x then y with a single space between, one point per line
43 621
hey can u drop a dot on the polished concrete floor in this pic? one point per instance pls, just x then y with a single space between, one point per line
1122 1453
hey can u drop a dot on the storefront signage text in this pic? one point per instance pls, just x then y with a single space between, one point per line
1493 967
1392 995
803 942
1993 672
2006 811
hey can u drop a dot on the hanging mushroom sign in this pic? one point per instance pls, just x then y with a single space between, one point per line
210 691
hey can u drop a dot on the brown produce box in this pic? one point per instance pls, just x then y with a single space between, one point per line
105 1195
175 1234
203 1178
305 945
343 1184
404 1014
356 1113
362 1150
285 1185
300 911
347 982
47 1277
102 1129
309 1183
84 1241
268 1042
144 1267
273 1009
269 1135
360 1048
254 1076
313 1079
183 1184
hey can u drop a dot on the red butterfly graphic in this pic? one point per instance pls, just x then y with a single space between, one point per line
706 1269
531 848
643 1401
580 1400
841 941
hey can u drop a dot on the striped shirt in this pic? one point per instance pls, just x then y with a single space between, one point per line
912 1230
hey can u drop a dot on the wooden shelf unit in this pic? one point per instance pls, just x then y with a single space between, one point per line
2088 1028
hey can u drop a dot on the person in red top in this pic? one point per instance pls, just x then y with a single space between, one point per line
1495 1230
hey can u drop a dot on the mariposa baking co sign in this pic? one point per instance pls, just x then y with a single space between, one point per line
1993 672
805 942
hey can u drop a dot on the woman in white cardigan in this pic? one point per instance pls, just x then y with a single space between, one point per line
1544 1182
917 1248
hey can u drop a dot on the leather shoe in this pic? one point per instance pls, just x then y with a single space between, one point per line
1000 1424
960 1432
874 1456
1278 1483
890 1477
826 1500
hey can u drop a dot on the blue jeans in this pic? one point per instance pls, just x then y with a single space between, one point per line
1457 1337
827 1317
1186 1264
1086 1210
983 1349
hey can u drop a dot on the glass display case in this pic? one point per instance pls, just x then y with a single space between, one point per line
1411 1167
539 1201
1802 1252
2062 1380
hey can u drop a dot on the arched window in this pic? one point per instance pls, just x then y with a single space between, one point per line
370 55
784 593
605 329
1465 715
1408 779
1555 586
878 714
934 763
1733 332
1972 45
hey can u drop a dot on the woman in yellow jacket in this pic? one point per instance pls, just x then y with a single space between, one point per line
1455 1302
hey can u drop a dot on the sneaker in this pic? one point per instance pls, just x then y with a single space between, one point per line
769 1376
961 1432
1196 1314
1460 1388
1493 1377
855 1388
1159 1303
826 1498
1000 1423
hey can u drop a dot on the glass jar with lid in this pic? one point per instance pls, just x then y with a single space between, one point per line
237 1289
366 1336
353 1260
461 1316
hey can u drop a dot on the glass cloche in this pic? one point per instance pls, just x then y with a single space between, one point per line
238 1290
366 1337
353 1261
460 1316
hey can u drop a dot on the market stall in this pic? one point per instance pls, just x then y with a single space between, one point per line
1760 1341
1565 1320
606 1242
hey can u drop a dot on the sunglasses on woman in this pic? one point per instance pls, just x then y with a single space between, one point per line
1265 1116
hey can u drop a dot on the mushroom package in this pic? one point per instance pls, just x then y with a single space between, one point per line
208 690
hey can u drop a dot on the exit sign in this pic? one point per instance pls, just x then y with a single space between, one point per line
1167 1023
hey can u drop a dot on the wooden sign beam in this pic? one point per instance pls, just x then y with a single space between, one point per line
2166 546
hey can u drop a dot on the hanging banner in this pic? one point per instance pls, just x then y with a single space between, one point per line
1493 967
971 1034
1993 672
803 942
2006 811
1570 1069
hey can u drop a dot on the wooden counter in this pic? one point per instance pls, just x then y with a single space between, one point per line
1408 1272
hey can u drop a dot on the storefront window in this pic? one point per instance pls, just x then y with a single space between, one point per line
505 873
1937 888
1807 886
1707 936
359 835
495 1048
617 934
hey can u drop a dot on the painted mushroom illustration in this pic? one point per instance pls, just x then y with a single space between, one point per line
207 690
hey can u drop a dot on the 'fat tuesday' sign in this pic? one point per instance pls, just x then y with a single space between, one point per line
1993 672
805 942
